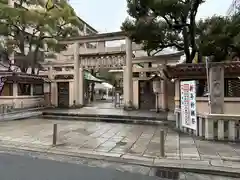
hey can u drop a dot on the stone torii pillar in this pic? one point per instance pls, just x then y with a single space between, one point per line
78 78
216 82
127 76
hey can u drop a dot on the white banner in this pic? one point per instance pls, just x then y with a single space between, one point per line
188 104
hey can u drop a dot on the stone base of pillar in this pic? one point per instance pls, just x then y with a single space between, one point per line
76 105
165 110
125 108
129 107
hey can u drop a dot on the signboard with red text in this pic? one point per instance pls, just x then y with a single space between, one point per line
188 104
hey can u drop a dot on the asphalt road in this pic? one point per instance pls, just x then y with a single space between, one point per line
17 167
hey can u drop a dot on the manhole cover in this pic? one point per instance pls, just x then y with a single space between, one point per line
167 174
121 143
81 130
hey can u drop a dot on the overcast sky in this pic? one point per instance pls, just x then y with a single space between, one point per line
108 15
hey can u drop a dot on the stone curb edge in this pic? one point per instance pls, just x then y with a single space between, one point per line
20 111
111 120
138 117
24 116
194 166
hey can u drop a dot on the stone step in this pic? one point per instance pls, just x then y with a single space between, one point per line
159 117
107 119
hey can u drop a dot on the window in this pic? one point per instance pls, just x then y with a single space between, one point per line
232 87
38 89
24 89
201 88
7 89
57 68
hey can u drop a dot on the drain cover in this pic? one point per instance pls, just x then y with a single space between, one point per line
121 143
167 174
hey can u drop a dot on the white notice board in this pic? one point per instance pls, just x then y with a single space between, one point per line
188 104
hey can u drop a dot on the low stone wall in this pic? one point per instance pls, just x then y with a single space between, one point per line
213 126
22 101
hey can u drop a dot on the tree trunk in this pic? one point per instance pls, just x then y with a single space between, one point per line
192 29
186 45
34 60
23 65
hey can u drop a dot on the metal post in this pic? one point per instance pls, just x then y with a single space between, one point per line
208 82
162 144
54 134
157 110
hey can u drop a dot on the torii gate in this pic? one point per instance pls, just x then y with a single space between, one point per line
80 64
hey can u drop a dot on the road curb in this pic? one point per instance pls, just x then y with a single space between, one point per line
194 166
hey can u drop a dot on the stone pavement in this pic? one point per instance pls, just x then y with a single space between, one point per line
132 142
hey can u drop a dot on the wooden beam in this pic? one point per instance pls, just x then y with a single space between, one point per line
94 38
152 69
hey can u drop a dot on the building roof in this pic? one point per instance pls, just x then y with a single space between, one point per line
88 76
190 71
95 37
22 77
90 27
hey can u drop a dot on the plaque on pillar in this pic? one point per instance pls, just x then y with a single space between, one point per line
216 78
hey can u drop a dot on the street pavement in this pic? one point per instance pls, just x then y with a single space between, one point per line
14 167
26 165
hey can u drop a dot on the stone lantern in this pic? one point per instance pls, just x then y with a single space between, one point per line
156 81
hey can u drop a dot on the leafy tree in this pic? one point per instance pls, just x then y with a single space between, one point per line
31 32
106 75
219 37
159 24
4 59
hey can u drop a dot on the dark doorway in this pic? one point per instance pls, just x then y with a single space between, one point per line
146 95
63 94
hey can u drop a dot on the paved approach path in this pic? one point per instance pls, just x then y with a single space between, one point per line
106 107
117 140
